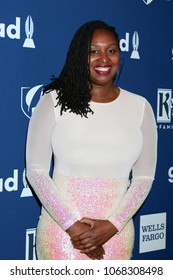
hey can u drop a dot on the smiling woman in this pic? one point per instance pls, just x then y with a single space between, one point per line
98 134
104 62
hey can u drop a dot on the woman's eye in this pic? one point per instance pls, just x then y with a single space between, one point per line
112 51
109 51
93 51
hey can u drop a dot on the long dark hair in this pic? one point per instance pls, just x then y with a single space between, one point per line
73 84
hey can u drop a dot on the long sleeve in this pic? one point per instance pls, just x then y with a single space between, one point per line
143 173
38 160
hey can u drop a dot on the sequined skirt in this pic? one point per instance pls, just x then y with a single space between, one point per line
85 197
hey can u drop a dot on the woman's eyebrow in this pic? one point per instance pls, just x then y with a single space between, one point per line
98 44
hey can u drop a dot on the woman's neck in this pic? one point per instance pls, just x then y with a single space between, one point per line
104 94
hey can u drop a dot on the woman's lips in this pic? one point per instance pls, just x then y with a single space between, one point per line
103 70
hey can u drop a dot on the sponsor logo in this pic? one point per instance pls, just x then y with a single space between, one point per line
30 244
125 45
29 99
147 2
170 174
152 232
164 108
13 31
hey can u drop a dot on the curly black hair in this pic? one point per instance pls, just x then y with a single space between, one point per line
73 85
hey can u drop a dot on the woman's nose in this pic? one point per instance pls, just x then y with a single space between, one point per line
104 57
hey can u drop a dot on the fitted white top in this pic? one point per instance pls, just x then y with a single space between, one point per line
119 137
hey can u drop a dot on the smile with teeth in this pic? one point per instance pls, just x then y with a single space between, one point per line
103 69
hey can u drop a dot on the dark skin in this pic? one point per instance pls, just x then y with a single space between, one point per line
89 235
79 228
99 233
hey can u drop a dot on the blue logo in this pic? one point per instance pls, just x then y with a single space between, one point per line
30 98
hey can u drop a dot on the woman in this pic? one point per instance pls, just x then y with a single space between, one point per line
98 134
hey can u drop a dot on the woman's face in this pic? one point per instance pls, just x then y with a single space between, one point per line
104 57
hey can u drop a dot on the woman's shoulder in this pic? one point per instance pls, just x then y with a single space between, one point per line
47 103
132 96
50 95
133 99
135 102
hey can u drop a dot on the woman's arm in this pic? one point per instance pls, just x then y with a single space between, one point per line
38 160
143 172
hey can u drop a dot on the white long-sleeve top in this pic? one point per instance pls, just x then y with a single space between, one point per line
93 158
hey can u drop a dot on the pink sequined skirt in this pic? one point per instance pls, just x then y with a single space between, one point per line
85 197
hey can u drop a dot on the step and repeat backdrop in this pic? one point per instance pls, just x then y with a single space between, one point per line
34 39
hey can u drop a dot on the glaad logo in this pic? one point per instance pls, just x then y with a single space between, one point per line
26 192
164 108
147 2
11 183
152 232
170 174
29 30
135 43
13 31
124 45
30 98
30 244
